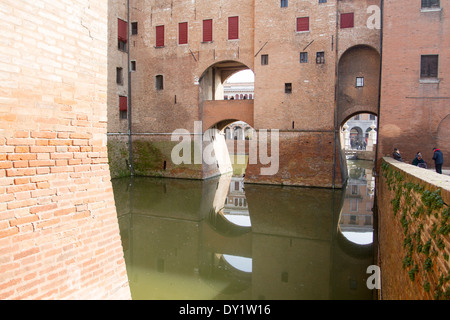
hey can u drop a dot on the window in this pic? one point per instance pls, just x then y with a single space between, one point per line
122 33
233 28
303 24
303 57
284 3
134 28
320 57
322 1
133 65
347 20
264 59
288 88
123 107
431 4
183 33
159 36
429 66
159 82
372 117
359 82
119 76
207 30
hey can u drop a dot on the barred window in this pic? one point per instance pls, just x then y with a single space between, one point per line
429 66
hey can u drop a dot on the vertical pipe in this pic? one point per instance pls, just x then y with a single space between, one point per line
130 146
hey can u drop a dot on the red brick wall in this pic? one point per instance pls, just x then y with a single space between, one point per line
59 235
412 111
400 229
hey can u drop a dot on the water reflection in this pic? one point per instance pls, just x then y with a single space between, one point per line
217 239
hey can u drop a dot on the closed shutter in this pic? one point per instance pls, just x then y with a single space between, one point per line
160 36
207 30
303 24
122 30
183 33
233 28
347 20
123 103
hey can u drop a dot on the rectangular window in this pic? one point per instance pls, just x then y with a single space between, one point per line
183 33
320 57
123 107
207 30
431 4
322 1
119 76
288 88
302 24
133 65
233 28
284 3
159 82
303 57
264 59
429 66
159 36
134 28
347 20
359 82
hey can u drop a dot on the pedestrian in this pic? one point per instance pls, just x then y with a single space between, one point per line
397 156
438 158
418 161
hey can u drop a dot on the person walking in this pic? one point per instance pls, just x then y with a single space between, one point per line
438 158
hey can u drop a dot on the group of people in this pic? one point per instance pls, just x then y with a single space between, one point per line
438 158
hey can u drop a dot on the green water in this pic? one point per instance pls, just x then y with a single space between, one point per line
221 239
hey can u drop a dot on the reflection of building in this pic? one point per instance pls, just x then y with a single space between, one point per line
357 214
236 203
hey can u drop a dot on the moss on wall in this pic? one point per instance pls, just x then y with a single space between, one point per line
425 225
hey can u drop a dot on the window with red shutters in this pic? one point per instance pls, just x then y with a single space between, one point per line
122 30
123 103
233 28
302 24
159 36
183 33
207 30
347 20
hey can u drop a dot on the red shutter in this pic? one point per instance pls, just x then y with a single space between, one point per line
233 28
123 103
303 24
347 20
207 30
122 30
183 33
160 36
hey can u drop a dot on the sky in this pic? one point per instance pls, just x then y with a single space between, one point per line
242 76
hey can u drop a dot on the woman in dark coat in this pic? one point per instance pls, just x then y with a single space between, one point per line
438 158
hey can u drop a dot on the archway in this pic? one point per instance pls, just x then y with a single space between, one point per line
226 80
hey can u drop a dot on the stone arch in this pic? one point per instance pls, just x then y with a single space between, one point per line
360 61
443 138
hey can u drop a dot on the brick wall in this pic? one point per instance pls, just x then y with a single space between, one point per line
413 110
59 235
414 244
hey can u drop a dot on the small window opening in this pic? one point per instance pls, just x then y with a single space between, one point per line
159 82
288 88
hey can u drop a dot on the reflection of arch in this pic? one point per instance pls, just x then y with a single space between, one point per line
224 226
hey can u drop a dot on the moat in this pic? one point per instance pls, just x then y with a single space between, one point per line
221 239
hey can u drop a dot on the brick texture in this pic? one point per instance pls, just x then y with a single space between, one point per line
59 235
